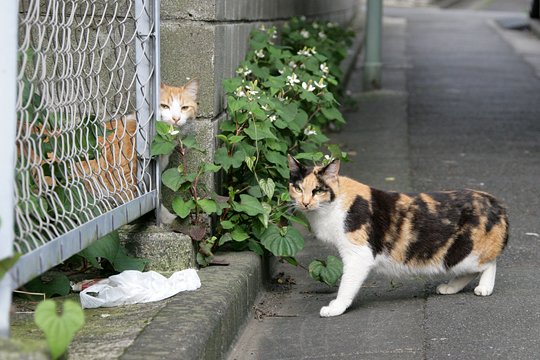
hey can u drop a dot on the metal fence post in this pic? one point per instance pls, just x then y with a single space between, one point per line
8 99
372 59
148 79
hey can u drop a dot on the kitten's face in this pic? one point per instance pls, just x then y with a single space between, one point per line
312 188
179 104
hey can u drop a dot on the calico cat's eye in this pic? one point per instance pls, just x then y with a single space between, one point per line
297 188
184 108
164 106
318 191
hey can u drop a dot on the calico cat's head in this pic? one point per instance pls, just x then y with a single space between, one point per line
311 188
179 104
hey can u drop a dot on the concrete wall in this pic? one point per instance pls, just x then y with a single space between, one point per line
207 39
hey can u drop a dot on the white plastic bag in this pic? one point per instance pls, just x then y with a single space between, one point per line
133 287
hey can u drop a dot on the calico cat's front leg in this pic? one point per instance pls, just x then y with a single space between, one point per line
357 262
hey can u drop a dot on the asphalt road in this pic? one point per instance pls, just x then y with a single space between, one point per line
459 108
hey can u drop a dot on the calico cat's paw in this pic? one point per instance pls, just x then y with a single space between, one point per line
333 309
447 289
483 290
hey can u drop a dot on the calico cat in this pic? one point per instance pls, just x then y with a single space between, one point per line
452 232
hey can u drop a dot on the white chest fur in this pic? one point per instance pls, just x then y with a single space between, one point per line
327 222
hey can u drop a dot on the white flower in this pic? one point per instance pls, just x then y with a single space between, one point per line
272 118
308 131
307 51
173 131
328 157
293 79
331 24
315 25
324 68
265 107
252 92
302 18
308 87
262 27
259 53
245 71
281 71
320 84
304 33
292 65
322 35
239 92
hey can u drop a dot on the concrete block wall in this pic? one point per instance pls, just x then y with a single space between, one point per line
207 39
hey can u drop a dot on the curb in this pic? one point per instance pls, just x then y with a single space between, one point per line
203 324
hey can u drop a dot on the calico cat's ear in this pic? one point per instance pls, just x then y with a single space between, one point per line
192 87
297 169
162 86
331 170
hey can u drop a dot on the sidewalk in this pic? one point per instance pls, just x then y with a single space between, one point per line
460 108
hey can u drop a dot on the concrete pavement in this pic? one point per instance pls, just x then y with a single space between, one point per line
460 108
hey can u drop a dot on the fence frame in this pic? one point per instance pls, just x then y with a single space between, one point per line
8 100
39 260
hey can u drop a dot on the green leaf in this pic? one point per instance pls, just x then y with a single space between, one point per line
285 241
183 208
209 206
239 234
211 168
106 247
291 260
162 128
259 130
59 330
267 186
123 261
8 263
328 271
161 147
255 247
226 224
225 238
222 158
265 218
249 205
190 142
250 162
332 113
172 179
57 286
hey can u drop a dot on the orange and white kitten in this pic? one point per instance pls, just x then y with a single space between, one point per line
179 104
460 233
113 172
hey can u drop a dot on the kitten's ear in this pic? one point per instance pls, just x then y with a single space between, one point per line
331 170
192 87
296 168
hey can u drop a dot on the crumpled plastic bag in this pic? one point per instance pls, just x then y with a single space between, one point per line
134 287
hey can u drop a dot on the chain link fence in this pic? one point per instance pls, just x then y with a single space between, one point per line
87 94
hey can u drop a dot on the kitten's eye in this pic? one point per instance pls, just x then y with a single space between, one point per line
184 108
164 106
318 191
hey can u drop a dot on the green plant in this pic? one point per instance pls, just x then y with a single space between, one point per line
278 104
328 38
59 329
193 202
